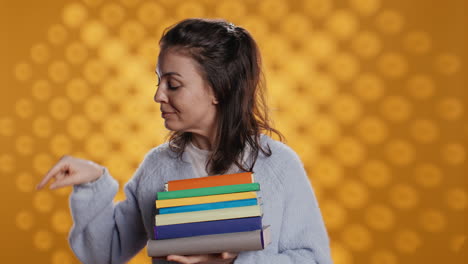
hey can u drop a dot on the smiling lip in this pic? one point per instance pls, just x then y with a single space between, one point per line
165 114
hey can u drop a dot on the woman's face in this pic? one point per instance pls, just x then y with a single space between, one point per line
187 101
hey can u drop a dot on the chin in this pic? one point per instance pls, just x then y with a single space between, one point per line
173 127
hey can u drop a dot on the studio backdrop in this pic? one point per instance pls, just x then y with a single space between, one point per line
370 93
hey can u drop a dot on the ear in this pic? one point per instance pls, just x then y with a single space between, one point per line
211 93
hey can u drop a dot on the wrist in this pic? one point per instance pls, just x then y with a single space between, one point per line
100 173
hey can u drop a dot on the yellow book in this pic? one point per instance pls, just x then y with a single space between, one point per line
205 199
208 215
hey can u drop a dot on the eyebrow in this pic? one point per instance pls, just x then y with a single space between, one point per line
168 73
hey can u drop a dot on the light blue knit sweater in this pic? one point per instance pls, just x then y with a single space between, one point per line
108 233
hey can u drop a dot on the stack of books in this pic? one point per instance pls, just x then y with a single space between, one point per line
208 215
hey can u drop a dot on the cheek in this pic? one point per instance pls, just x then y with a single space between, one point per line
188 104
178 102
191 106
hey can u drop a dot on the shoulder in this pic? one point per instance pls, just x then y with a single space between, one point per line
161 152
279 150
156 161
158 158
283 163
283 166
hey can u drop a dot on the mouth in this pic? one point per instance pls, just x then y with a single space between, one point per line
166 114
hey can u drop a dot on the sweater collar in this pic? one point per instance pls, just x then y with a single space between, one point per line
185 156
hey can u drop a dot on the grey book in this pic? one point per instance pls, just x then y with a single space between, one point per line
209 244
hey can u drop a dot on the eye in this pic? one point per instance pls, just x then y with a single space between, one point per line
170 87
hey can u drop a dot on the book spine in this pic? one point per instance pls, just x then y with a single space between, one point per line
205 199
208 206
208 191
209 215
207 228
209 244
210 181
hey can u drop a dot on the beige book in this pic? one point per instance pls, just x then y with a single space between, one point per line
208 215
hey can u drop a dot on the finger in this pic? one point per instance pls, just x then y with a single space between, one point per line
228 255
59 176
180 259
51 173
64 181
189 259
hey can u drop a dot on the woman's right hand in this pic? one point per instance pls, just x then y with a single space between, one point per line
70 171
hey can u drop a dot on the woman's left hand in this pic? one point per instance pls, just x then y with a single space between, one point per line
223 258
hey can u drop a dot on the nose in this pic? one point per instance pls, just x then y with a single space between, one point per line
160 96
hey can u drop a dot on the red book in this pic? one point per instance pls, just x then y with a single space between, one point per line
210 181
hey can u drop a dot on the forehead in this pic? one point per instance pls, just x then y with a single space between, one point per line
175 61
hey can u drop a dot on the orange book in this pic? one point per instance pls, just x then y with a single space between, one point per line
210 181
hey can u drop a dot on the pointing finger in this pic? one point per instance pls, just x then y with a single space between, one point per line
55 170
63 181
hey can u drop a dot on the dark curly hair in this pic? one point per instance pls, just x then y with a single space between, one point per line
229 60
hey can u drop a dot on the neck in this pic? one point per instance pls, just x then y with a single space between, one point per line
204 142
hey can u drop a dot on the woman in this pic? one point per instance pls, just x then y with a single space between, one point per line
211 99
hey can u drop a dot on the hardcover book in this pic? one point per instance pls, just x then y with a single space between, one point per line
208 206
205 199
236 188
208 215
208 228
209 244
210 181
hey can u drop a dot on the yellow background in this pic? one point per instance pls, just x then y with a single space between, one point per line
370 93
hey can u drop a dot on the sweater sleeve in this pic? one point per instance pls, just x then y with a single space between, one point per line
303 237
104 231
